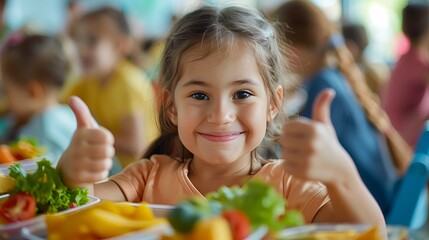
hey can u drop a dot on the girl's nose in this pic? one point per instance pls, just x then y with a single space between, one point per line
221 112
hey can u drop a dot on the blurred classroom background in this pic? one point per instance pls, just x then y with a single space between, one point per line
151 19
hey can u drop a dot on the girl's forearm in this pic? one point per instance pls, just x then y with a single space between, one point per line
108 191
353 203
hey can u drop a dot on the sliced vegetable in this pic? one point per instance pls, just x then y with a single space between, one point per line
6 184
212 228
239 224
19 207
6 155
104 220
26 148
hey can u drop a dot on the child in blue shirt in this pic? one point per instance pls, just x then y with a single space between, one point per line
33 71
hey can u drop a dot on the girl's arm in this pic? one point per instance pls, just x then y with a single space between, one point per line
109 190
129 141
311 151
351 202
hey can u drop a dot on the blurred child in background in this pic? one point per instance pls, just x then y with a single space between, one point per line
115 90
362 127
376 73
33 72
406 97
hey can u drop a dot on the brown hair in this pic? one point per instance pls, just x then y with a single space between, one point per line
305 23
121 25
219 29
118 18
34 57
415 20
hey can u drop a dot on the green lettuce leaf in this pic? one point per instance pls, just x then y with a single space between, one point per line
260 202
46 186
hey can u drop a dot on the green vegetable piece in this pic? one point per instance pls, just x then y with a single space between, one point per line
260 202
183 217
46 186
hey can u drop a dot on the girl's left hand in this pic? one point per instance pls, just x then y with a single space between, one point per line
310 146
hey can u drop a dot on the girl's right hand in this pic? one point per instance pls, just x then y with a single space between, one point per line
88 158
311 149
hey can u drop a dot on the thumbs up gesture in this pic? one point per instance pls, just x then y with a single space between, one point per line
310 146
88 157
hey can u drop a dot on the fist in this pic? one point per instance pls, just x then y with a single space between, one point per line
88 158
310 146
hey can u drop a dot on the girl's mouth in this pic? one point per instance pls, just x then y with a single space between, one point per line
220 137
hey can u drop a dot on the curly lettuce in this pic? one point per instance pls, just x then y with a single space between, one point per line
46 186
260 202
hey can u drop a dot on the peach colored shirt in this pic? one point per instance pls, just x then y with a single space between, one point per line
164 180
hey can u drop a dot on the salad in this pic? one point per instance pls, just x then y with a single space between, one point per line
37 193
232 213
24 148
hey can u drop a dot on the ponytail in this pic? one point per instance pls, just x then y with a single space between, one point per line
400 151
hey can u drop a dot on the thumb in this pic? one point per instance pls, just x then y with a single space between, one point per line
322 106
82 113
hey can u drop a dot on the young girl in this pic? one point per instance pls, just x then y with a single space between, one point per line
222 70
33 71
116 91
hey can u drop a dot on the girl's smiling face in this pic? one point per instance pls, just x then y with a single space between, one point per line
221 106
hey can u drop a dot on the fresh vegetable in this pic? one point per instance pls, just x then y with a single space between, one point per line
244 209
212 228
6 155
239 224
26 148
46 187
104 220
6 183
260 202
19 207
183 217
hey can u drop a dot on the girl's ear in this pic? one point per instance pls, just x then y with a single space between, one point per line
36 89
170 108
273 109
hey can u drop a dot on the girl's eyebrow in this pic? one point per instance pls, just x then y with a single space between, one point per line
236 82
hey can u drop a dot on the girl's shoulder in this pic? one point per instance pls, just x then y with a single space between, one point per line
271 166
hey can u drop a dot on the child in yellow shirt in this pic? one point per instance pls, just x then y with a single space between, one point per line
119 96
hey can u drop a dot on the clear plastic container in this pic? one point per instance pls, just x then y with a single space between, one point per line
29 165
13 230
324 231
38 231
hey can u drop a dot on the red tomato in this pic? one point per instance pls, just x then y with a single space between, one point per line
19 207
239 224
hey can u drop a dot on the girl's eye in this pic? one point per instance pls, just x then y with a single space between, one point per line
242 95
199 96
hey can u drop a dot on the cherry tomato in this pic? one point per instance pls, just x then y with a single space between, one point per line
19 207
239 224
